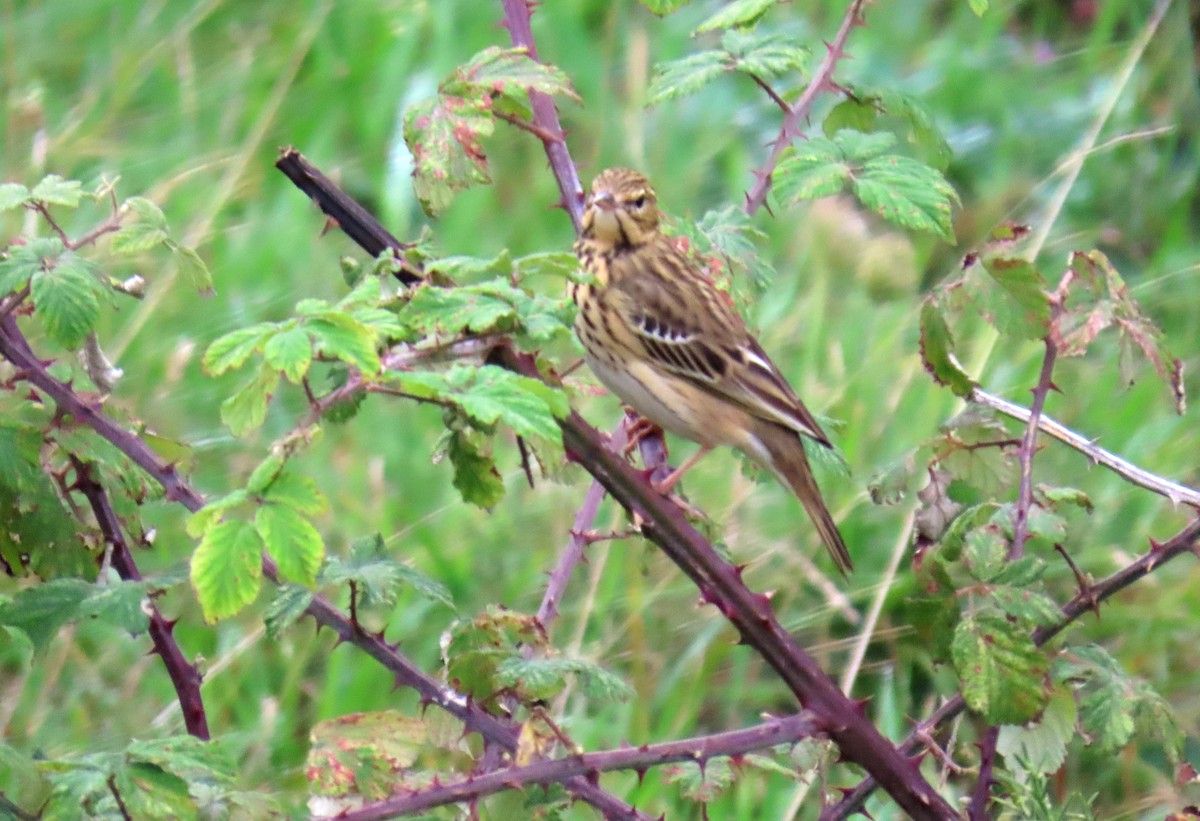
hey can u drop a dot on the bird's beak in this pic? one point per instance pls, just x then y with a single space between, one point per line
605 201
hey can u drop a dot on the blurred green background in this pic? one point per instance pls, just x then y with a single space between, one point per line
188 104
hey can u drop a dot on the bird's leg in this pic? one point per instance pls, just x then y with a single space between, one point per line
638 430
665 486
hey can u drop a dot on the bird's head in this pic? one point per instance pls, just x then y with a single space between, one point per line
622 210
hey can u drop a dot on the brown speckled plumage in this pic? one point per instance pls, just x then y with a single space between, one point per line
664 338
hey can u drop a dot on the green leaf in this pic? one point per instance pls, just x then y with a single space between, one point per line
664 7
688 75
20 262
42 609
188 758
985 551
1058 497
227 568
297 492
147 229
292 541
907 192
192 265
445 137
463 268
290 603
765 56
937 350
700 783
562 264
67 299
449 311
888 110
234 348
511 70
1001 670
1025 312
119 603
539 679
1040 746
490 394
475 474
13 195
978 6
738 14
204 518
246 410
1031 607
343 337
378 576
290 351
54 190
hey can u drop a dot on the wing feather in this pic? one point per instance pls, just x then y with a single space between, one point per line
688 327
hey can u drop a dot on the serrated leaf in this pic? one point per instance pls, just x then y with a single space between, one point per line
1026 310
688 75
292 541
1031 607
886 109
547 263
204 518
343 337
13 195
1001 670
475 474
149 792
907 192
445 137
737 14
290 351
54 190
188 758
20 262
67 299
937 351
984 552
703 783
539 679
192 265
1058 497
146 230
364 754
290 603
42 609
511 70
377 576
227 568
463 268
764 56
246 410
1040 746
297 492
449 311
234 348
490 394
118 603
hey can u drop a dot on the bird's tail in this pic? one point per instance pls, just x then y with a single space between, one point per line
787 460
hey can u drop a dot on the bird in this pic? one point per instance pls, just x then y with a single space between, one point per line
658 333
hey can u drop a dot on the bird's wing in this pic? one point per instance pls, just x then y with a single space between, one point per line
689 328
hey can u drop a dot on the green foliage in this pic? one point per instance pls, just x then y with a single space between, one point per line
445 134
890 110
763 56
898 188
367 754
377 577
540 679
1001 671
227 568
738 14
702 781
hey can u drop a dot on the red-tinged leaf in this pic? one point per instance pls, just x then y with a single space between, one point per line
937 351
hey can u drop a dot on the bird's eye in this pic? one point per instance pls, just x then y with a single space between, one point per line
640 202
